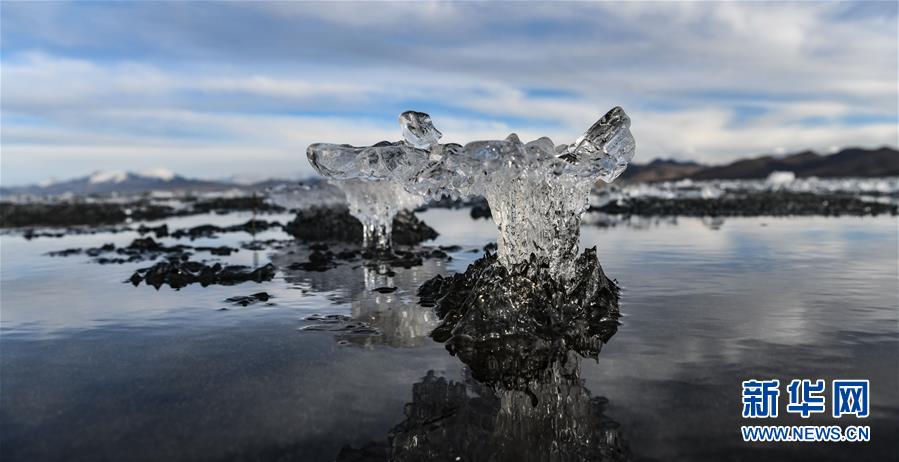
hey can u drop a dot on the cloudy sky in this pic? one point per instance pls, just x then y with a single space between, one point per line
218 89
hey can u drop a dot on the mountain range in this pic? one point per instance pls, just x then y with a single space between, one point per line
106 182
850 162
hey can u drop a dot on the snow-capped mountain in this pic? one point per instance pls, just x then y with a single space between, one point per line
105 182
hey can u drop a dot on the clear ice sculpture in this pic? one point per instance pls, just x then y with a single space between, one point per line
536 191
375 204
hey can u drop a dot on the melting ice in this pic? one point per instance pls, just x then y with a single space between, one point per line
537 191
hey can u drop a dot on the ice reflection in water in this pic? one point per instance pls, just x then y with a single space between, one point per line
519 399
383 306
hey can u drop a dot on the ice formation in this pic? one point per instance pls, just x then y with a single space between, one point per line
375 204
537 191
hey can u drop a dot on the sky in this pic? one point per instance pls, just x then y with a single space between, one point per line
221 89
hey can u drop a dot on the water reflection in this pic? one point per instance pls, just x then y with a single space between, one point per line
517 400
383 307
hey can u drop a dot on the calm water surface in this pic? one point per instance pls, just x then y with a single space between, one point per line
92 368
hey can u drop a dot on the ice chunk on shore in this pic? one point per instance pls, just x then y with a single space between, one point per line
537 191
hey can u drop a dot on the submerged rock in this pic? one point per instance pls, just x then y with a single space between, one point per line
246 300
336 224
141 249
178 274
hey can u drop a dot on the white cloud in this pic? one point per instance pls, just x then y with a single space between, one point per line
182 90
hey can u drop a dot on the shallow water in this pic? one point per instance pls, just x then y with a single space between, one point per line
95 369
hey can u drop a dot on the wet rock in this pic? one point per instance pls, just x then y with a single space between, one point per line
317 261
78 213
766 203
145 244
179 273
32 234
325 224
266 244
222 205
135 279
205 231
97 251
336 224
159 231
480 210
197 232
65 252
491 311
141 249
409 230
223 251
246 300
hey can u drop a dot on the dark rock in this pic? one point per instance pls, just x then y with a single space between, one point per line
205 231
336 224
145 244
770 203
65 252
246 300
160 231
409 230
490 307
180 273
77 213
30 234
197 232
325 224
223 251
480 210
223 205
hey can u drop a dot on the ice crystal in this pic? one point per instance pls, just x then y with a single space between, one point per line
537 190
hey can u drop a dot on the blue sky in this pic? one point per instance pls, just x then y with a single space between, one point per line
241 88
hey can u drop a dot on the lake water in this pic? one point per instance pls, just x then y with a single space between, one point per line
92 368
